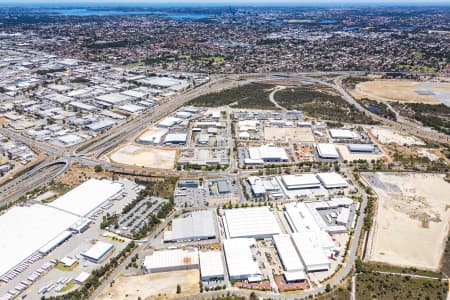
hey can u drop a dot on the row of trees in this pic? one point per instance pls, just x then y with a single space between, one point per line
97 276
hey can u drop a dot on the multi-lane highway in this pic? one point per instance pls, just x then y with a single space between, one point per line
88 154
40 174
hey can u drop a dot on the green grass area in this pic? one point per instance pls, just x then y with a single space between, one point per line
60 266
68 286
390 287
214 59
417 54
321 103
136 64
417 68
185 57
254 96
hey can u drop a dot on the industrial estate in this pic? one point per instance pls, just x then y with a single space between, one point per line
126 181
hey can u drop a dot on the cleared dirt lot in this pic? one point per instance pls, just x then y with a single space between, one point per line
400 90
144 156
412 219
347 155
386 135
153 286
295 134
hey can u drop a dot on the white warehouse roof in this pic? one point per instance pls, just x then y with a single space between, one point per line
268 153
24 230
299 217
198 225
97 251
342 134
211 265
313 256
300 181
288 254
114 98
175 138
70 139
166 259
169 122
239 258
132 108
255 222
332 180
327 151
153 136
86 197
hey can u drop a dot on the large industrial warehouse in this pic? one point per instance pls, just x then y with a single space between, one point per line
343 134
98 251
300 181
299 217
315 248
171 260
199 225
39 226
327 151
88 196
255 222
239 258
211 266
294 270
266 153
332 180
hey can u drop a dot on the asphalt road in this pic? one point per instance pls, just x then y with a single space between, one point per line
102 143
41 174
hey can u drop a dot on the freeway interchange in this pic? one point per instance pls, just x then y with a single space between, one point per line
88 153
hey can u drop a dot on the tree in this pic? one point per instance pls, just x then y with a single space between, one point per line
178 289
253 296
328 288
98 168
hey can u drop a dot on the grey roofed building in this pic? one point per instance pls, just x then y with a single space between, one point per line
191 183
223 187
101 125
361 147
199 225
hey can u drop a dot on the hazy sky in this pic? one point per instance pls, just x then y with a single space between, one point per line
235 2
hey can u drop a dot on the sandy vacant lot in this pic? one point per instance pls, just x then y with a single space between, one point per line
387 135
347 155
400 90
295 134
153 286
412 220
144 156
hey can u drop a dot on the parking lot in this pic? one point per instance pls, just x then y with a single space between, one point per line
207 190
132 221
41 273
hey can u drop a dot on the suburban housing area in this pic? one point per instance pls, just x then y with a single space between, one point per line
177 172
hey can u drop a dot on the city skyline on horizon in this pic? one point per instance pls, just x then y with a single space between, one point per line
227 3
